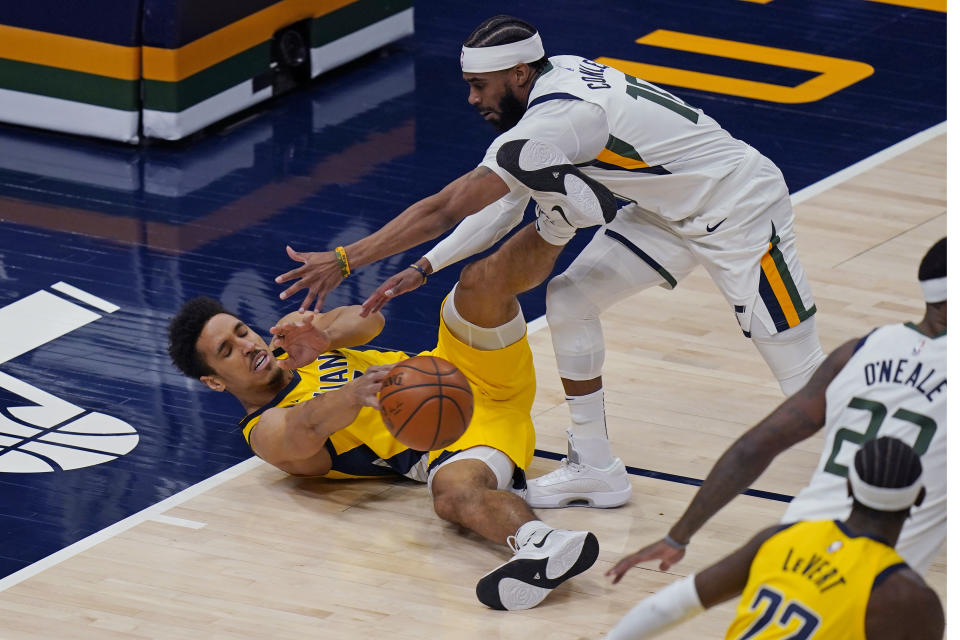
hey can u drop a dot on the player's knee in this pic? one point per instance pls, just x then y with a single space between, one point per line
474 275
485 276
445 506
792 355
575 329
450 498
566 302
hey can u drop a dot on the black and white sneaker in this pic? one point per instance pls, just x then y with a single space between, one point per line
539 565
554 227
558 186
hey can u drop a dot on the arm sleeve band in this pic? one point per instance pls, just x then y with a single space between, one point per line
663 610
478 232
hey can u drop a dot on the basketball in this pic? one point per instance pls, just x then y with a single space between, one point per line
426 403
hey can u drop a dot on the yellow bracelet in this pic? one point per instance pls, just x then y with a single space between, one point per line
420 270
342 261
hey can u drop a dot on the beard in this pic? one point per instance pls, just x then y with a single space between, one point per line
511 110
276 380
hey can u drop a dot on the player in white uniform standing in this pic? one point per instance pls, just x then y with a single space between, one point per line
892 382
694 195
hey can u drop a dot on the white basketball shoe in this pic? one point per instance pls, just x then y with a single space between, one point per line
564 193
578 484
540 563
553 227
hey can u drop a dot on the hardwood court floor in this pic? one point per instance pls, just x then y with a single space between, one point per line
280 557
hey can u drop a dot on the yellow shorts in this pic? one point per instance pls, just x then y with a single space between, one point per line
504 385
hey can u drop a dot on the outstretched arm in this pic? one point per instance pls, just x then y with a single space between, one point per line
422 221
304 334
799 417
690 595
475 233
293 438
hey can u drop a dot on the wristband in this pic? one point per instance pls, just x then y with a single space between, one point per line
679 546
666 608
420 270
342 261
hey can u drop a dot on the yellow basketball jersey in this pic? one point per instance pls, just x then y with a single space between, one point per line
503 385
812 580
364 448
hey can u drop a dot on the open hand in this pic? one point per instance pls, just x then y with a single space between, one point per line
400 283
302 341
667 555
319 275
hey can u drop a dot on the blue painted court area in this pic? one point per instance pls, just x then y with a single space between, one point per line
146 228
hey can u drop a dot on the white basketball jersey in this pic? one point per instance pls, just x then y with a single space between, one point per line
894 385
661 153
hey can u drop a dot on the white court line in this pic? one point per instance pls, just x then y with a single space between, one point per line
868 163
829 182
178 522
83 296
532 327
129 522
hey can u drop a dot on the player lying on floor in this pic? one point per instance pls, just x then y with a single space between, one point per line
321 418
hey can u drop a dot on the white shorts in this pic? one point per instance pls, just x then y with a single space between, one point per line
744 238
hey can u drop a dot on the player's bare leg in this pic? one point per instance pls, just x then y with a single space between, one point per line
487 291
581 387
486 315
465 492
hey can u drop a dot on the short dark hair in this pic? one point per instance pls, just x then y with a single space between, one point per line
503 29
185 329
888 463
934 263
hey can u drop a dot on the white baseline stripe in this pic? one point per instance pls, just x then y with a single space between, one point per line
129 522
83 296
830 181
178 522
868 163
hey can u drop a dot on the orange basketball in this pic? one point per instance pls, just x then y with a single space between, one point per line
426 403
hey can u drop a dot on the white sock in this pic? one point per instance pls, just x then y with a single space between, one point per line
588 430
594 452
587 416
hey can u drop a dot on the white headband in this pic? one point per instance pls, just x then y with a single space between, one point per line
884 499
501 56
934 290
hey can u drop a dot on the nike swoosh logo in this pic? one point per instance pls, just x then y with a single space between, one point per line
562 215
544 539
714 227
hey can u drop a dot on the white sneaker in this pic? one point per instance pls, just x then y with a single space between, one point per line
539 565
559 187
553 227
575 482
